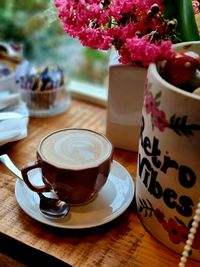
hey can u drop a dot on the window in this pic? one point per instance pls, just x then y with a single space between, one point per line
44 43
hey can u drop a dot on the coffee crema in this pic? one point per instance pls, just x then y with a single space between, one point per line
75 148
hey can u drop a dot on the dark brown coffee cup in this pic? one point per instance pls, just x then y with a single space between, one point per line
75 164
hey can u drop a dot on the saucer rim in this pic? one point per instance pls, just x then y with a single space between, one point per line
37 215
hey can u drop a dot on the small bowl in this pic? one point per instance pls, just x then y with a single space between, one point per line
46 103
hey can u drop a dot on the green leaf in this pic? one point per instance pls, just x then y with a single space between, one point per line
158 95
180 126
186 20
179 221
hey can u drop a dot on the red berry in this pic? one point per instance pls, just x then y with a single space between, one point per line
181 67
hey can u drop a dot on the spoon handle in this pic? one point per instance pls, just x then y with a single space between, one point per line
50 207
10 165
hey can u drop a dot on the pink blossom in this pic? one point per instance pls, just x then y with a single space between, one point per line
101 24
195 4
141 50
96 39
159 119
150 103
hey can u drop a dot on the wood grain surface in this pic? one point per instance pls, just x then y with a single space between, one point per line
121 242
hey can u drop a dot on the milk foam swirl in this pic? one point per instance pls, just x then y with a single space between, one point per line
75 148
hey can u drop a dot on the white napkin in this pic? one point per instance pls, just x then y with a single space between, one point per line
8 99
13 129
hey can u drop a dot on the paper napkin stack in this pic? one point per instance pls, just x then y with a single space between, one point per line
16 128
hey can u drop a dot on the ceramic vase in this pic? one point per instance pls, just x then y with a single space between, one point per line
125 100
168 173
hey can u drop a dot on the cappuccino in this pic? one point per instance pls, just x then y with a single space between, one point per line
75 148
75 164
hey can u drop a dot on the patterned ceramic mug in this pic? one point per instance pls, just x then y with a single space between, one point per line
168 175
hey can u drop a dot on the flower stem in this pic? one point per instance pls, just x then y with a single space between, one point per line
186 20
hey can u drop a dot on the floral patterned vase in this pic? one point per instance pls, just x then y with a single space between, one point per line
125 100
168 175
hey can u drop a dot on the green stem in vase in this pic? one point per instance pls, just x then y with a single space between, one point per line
182 10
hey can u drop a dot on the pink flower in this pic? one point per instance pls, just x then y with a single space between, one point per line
195 4
96 39
159 119
150 103
141 50
139 34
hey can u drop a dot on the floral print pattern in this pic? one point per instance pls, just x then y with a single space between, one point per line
159 119
177 233
176 229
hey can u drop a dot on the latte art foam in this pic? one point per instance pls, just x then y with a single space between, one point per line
75 149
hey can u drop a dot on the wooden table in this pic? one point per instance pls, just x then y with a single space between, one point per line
121 242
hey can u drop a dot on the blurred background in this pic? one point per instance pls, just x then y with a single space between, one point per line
33 25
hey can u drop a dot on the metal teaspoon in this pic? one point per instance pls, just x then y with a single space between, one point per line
50 207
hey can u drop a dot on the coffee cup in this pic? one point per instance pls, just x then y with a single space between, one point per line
74 162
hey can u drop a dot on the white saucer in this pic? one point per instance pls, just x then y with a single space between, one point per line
113 199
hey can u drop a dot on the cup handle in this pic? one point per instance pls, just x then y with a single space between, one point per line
35 188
